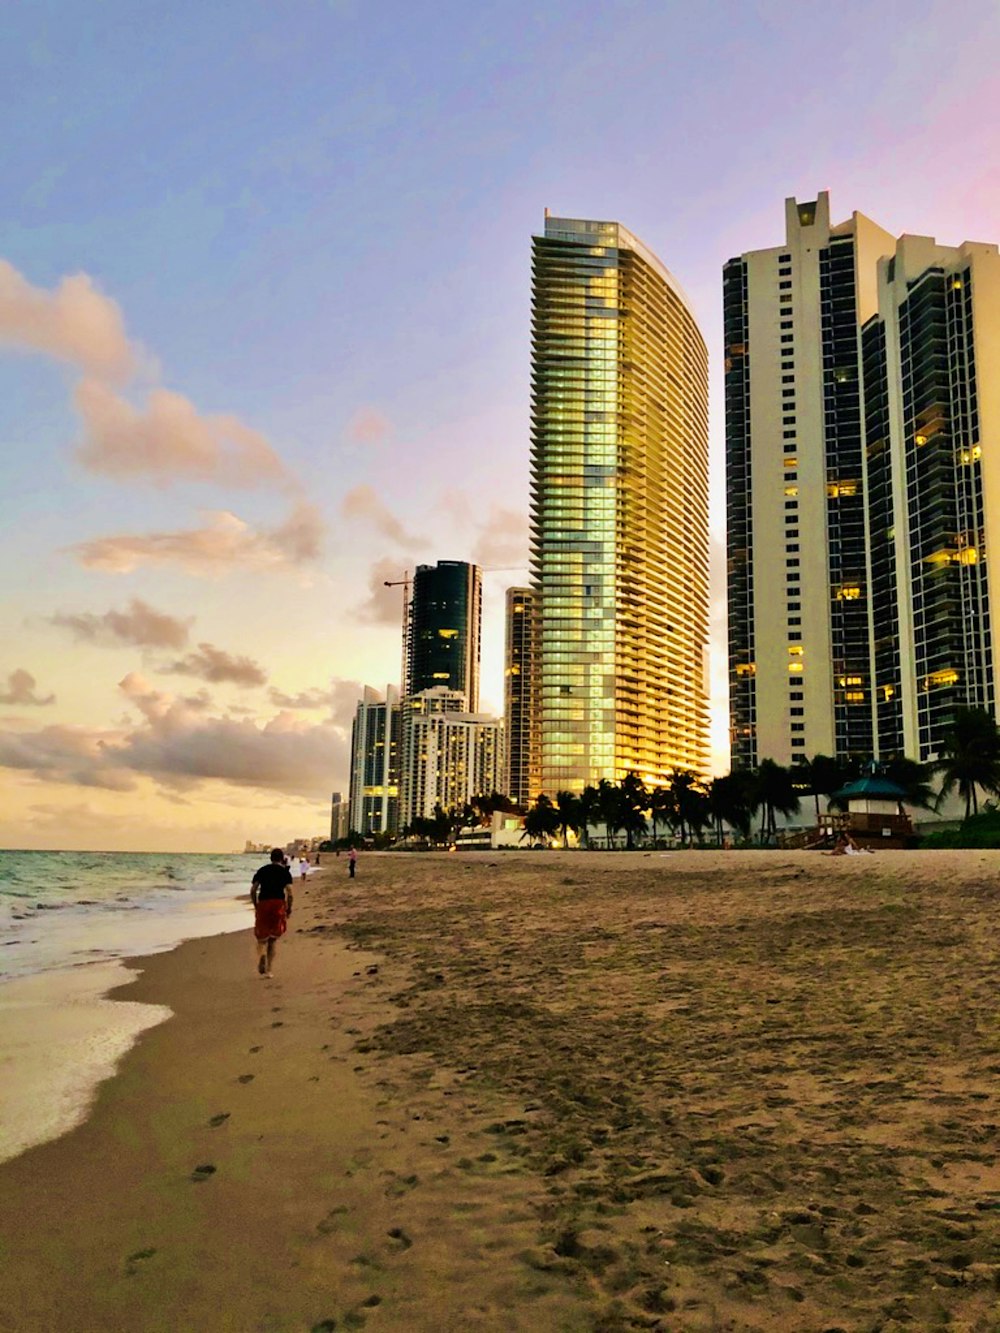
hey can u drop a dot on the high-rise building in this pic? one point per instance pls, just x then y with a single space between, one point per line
798 620
931 380
340 817
375 763
619 510
858 606
449 754
445 619
522 782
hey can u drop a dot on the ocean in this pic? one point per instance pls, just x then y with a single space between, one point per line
67 919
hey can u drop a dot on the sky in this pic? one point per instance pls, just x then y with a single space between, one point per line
264 335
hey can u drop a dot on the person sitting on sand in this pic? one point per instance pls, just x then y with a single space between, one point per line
271 895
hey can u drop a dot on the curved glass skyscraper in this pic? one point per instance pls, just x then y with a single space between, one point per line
619 510
445 625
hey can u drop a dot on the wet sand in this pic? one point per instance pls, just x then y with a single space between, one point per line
739 1091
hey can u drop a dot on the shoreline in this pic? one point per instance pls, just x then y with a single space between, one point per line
565 1093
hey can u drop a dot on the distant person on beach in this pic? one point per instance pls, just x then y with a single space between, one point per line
271 895
352 861
303 867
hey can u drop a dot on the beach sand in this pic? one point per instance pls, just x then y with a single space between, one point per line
547 1091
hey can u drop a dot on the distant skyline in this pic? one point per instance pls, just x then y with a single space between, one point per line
264 337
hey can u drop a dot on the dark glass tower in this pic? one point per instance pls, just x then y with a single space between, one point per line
444 629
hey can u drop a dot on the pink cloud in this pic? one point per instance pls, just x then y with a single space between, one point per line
170 441
223 545
140 625
218 667
368 426
75 323
21 691
383 606
363 503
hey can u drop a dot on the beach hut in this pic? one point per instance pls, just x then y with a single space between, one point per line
874 813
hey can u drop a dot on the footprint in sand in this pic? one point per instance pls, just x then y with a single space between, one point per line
245 1078
255 1049
133 1261
278 1024
219 1119
400 1237
203 1172
330 1222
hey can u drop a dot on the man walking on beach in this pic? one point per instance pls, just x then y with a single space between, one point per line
271 895
352 861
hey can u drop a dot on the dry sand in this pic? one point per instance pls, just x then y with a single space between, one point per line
738 1091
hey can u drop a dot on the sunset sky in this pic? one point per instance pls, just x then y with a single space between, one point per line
264 289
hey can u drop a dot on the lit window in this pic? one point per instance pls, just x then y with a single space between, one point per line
794 666
791 490
795 650
447 633
849 592
949 676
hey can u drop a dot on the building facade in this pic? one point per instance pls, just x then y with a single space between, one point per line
522 782
931 374
619 511
798 608
444 630
449 755
375 755
340 817
857 528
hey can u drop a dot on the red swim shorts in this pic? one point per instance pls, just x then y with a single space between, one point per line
269 919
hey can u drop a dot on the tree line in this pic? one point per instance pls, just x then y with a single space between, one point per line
743 804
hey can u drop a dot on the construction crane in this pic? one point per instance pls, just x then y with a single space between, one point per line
405 583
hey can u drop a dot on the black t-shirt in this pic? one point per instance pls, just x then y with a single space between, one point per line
271 881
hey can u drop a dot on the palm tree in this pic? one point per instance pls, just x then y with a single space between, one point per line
635 803
662 808
824 776
542 820
969 758
731 801
687 804
568 806
611 808
775 795
590 811
914 778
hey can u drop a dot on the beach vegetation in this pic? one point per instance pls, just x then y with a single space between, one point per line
969 759
732 801
774 791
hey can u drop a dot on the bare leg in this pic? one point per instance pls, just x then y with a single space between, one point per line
270 956
262 956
